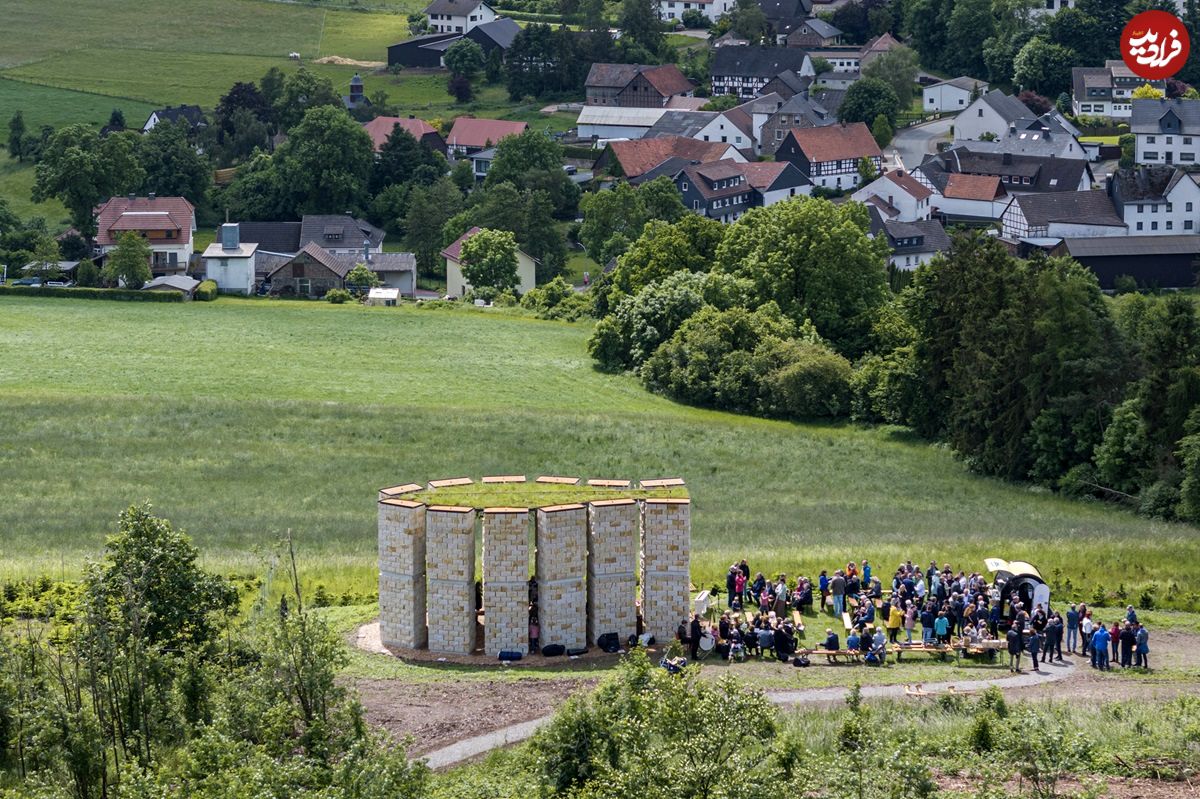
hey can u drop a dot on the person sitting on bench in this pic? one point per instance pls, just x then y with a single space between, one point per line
831 643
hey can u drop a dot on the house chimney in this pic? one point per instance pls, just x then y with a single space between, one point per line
150 196
412 116
231 234
131 196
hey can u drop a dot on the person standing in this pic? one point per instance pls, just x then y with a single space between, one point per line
941 628
837 590
694 636
1114 636
1013 639
910 620
1100 648
1128 640
1087 630
823 587
1142 642
1035 645
1072 629
894 622
731 583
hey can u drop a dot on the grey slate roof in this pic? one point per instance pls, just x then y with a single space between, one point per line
502 31
281 237
352 232
1008 107
680 123
1046 174
822 28
1091 207
458 8
1083 78
179 282
787 10
1148 115
391 262
931 236
810 109
756 61
1133 245
963 82
830 99
1143 184
190 114
792 80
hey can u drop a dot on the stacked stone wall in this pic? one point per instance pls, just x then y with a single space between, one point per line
450 567
612 568
666 552
506 580
402 573
562 532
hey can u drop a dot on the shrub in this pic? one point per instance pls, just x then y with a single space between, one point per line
207 291
557 299
1159 500
338 296
1146 600
811 381
131 295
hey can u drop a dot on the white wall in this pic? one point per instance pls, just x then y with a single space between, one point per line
909 207
1154 218
673 9
977 119
610 132
910 261
457 286
236 275
722 130
946 97
1159 148
979 209
454 23
1075 230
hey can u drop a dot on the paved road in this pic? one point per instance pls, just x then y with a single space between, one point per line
473 747
913 144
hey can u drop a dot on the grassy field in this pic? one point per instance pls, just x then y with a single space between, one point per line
242 419
16 183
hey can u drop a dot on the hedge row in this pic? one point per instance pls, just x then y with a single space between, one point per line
581 151
207 291
531 16
93 294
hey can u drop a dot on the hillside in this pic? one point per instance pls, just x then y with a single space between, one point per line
242 419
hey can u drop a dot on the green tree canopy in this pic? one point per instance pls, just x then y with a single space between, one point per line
300 92
1044 67
464 57
866 99
172 165
80 169
128 264
489 260
429 208
897 68
325 164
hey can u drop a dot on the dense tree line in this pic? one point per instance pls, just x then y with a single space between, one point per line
145 683
1023 366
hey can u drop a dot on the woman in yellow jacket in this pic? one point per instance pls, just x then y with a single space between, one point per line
894 621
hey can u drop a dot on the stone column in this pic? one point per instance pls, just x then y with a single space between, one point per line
402 573
612 564
561 564
505 580
450 565
666 560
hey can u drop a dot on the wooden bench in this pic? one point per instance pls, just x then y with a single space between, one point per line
846 620
925 649
852 655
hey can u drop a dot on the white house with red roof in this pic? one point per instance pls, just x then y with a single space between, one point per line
898 195
470 135
456 284
166 223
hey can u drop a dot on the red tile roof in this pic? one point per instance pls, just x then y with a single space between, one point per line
142 213
761 174
972 187
641 155
910 184
381 127
454 251
472 132
668 80
837 142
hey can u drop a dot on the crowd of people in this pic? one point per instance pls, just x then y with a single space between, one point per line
940 605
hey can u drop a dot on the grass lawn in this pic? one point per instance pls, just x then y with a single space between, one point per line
60 107
1114 140
242 419
16 183
364 36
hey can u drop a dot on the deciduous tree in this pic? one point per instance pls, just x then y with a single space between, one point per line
80 169
129 264
489 260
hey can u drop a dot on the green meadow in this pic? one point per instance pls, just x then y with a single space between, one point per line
243 419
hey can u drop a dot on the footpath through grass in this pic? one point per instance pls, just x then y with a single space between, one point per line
242 419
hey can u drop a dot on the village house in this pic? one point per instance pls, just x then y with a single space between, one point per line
314 270
990 114
604 123
911 243
775 181
230 263
1074 214
1019 174
829 156
457 16
1166 131
814 33
711 9
470 135
952 96
189 115
898 195
645 159
972 200
635 85
380 128
717 190
1155 200
1048 136
883 43
456 284
744 71
1107 91
166 223
784 16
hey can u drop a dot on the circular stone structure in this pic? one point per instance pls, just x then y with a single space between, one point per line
602 550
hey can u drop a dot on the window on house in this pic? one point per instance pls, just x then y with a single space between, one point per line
1141 208
1154 226
1139 226
980 112
1188 207
303 286
223 261
1170 140
1150 155
1170 225
695 205
1187 156
1187 139
1170 206
685 186
1187 225
1149 140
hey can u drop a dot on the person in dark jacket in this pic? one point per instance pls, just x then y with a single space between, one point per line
1015 645
783 642
1035 645
1128 641
694 636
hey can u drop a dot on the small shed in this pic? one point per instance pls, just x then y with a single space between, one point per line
182 283
383 296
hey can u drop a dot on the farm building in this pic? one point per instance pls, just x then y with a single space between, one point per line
456 284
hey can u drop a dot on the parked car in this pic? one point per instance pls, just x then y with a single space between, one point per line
28 281
60 284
